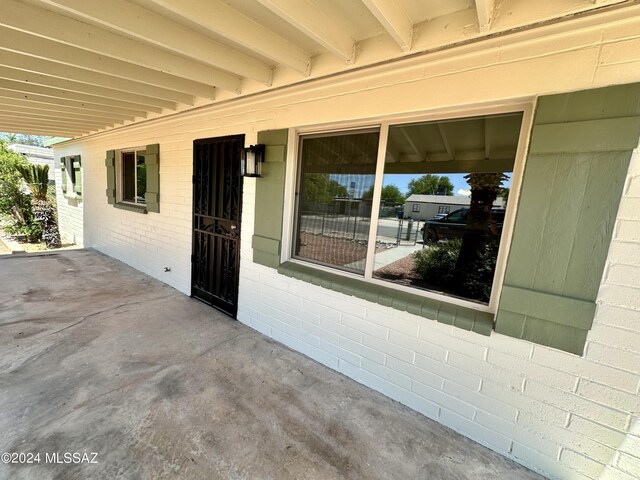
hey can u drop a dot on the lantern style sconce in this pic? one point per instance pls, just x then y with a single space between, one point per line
251 161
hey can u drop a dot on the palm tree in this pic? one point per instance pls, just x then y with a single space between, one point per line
479 234
37 179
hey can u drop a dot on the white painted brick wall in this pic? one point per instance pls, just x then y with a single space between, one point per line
566 416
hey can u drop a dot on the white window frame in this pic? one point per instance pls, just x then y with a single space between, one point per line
291 177
415 208
444 209
120 174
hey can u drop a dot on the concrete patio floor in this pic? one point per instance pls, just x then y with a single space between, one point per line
98 357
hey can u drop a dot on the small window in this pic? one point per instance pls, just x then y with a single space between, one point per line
70 172
133 177
454 252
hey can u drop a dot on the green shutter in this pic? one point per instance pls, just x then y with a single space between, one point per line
267 230
63 175
110 163
152 162
77 167
580 148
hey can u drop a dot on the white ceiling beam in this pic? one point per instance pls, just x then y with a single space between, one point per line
29 106
394 19
27 44
235 26
138 22
79 97
47 128
38 131
73 103
65 31
412 144
314 23
84 88
485 9
40 66
451 153
11 118
44 114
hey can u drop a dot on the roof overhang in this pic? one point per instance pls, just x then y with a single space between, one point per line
70 68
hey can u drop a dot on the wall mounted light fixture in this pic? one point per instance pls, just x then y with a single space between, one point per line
251 160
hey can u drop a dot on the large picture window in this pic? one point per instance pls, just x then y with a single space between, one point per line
351 190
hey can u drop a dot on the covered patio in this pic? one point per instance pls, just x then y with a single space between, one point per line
98 357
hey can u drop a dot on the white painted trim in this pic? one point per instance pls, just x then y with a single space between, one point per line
375 203
291 177
288 214
514 198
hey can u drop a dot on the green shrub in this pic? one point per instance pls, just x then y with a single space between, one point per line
12 193
31 228
438 263
479 277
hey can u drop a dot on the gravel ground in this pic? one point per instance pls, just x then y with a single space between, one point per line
335 251
401 271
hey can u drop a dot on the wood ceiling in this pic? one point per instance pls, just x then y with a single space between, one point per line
73 67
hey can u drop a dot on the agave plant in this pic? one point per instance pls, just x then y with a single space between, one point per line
37 179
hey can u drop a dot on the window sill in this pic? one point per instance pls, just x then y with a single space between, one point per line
130 207
444 312
72 196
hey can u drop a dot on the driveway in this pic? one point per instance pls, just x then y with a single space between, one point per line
96 357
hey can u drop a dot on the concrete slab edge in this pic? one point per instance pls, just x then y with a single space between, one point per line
12 245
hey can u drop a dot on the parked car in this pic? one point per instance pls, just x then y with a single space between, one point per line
452 225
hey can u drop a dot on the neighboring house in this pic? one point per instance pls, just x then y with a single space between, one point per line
37 156
547 371
424 207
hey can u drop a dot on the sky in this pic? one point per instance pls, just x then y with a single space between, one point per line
460 185
402 181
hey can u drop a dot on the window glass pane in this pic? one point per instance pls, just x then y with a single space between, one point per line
459 173
141 180
335 191
71 172
128 176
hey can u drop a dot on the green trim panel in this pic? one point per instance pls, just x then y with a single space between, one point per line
546 306
609 102
267 245
270 199
606 135
461 317
131 208
580 149
152 162
110 163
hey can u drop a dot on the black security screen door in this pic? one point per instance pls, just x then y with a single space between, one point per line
217 200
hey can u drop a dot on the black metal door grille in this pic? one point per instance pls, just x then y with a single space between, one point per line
217 202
